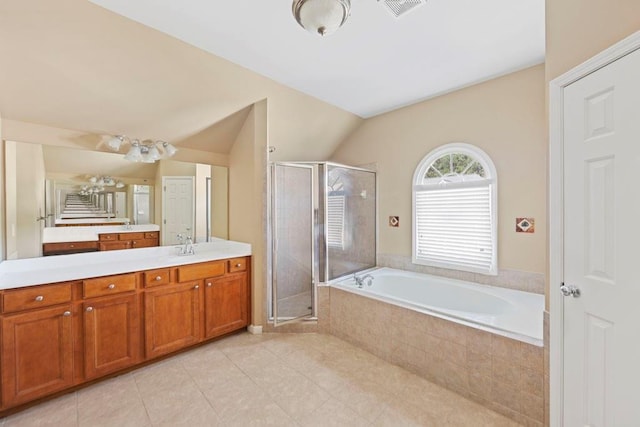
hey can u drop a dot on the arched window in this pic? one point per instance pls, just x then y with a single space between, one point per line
454 210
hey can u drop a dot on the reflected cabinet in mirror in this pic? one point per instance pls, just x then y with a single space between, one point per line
52 187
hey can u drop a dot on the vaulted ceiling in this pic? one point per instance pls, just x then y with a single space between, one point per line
76 65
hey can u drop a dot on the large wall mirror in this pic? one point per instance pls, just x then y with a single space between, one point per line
45 183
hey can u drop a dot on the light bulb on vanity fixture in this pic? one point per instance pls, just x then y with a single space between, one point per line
146 151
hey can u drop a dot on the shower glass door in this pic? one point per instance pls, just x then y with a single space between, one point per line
292 207
350 221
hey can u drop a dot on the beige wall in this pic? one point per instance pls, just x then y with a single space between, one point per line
16 130
10 189
578 29
220 202
505 117
25 199
247 199
202 173
3 231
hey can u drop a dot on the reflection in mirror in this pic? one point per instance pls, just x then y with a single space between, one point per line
48 186
72 206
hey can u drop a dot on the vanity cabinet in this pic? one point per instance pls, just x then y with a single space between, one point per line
106 242
61 335
118 241
37 342
111 324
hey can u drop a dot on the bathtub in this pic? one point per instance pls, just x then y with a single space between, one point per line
511 313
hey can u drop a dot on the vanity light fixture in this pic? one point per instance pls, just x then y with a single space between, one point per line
146 151
321 16
97 184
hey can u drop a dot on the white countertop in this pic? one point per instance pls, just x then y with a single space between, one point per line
35 271
89 233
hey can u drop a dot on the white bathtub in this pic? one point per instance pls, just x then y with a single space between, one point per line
506 312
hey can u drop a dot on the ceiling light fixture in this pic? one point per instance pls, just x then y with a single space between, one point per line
147 151
321 16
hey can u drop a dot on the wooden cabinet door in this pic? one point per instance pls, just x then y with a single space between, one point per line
172 318
225 304
37 354
111 334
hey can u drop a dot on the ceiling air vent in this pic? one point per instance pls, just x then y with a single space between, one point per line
400 7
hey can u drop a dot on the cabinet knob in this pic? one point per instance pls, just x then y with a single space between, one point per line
39 298
111 286
72 246
238 265
89 309
66 314
158 278
134 243
196 287
209 285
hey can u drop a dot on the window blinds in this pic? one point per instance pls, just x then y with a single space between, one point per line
454 228
335 221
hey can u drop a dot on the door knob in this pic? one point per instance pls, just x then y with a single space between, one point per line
570 291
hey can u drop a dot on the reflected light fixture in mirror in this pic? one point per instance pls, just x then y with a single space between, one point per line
321 16
146 151
98 183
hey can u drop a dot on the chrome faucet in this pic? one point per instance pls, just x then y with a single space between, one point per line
127 225
187 247
360 281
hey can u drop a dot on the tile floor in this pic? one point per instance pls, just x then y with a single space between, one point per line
270 379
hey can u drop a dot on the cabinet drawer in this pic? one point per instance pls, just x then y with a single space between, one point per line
237 264
35 297
108 236
130 236
69 246
151 235
157 277
200 271
143 243
108 285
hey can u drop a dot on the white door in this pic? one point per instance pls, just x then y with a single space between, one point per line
177 208
602 247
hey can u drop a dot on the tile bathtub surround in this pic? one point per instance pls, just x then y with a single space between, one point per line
512 279
502 374
269 379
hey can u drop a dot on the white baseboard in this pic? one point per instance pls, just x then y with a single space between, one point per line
255 330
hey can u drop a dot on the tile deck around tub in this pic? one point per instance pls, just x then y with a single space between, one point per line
270 379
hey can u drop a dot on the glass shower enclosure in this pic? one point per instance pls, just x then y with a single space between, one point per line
323 226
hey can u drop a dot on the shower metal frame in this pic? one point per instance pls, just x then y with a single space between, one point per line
318 192
273 220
